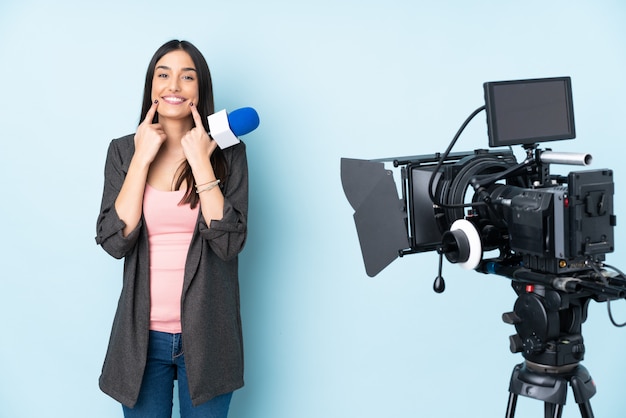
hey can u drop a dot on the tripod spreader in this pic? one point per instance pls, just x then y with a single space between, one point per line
550 386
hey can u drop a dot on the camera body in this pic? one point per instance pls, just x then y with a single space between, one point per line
558 229
553 226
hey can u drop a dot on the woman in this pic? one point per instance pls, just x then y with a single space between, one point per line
174 206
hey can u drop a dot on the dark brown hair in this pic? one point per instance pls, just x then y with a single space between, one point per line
205 107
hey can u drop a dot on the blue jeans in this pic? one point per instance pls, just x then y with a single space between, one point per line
166 363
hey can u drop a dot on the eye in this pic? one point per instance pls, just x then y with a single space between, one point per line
161 75
188 77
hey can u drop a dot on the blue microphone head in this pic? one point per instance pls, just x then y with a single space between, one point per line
243 120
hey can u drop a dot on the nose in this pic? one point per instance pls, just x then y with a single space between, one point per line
173 84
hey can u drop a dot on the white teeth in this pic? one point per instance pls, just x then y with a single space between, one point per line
174 99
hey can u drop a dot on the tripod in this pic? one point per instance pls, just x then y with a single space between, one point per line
548 324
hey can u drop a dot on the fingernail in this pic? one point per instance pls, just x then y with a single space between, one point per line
156 101
190 103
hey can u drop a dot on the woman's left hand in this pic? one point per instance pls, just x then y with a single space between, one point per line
197 144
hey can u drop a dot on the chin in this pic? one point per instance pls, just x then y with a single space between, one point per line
176 115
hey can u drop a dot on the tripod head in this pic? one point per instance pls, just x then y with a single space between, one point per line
548 324
550 310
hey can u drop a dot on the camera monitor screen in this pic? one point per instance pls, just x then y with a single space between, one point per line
529 111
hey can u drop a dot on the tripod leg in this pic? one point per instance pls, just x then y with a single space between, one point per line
552 410
510 409
583 388
585 410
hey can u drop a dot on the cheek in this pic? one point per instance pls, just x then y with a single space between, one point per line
195 92
158 85
154 93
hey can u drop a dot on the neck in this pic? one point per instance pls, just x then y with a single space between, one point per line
175 129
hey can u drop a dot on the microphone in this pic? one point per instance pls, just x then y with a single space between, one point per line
225 127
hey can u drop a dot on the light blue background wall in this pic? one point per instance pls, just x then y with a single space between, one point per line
330 79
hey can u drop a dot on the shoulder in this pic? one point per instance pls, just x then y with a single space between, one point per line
235 152
236 158
121 151
122 146
124 143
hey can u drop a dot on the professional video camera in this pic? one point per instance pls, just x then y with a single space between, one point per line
548 233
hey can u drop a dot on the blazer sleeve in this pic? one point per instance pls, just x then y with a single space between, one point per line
109 226
227 236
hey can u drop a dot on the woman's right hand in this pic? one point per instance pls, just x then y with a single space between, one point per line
149 136
148 140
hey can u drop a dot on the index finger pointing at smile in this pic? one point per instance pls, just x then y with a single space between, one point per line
196 116
150 114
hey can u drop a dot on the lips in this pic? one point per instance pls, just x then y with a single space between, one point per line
174 100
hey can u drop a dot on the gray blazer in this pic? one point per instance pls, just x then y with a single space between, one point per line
211 322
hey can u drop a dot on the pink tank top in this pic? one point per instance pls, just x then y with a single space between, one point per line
170 228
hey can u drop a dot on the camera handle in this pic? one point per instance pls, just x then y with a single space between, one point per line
440 284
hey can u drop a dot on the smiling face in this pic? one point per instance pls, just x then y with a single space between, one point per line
175 85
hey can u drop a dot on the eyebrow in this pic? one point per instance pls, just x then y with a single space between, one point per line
165 67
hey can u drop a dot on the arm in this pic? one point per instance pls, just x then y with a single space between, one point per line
148 140
227 235
224 209
198 147
109 226
125 176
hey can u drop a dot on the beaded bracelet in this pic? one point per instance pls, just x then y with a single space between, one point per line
206 186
